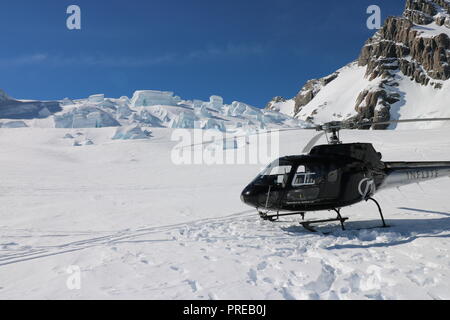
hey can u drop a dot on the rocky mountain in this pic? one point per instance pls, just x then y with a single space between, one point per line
403 71
4 97
16 109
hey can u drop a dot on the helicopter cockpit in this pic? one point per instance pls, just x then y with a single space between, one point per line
279 173
293 180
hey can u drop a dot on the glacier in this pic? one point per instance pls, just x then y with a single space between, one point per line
146 108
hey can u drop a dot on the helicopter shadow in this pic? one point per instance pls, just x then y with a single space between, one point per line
425 211
371 235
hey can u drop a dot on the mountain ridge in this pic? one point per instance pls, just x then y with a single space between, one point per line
410 49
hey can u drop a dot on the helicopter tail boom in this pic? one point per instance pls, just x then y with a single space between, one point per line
403 173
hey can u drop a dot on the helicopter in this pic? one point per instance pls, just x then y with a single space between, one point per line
333 176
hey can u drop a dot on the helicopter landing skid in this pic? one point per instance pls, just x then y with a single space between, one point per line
276 217
307 224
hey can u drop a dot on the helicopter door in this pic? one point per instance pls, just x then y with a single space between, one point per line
331 187
305 184
273 179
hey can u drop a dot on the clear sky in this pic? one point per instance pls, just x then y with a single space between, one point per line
245 50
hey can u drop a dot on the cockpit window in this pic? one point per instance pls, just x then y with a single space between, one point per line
304 177
277 170
276 173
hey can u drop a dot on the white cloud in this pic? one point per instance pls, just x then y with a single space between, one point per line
209 53
23 60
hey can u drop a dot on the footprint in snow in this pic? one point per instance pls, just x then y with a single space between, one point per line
252 274
262 266
193 284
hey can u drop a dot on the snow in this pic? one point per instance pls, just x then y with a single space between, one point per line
432 30
146 98
215 103
66 102
286 107
148 108
336 101
185 120
202 111
238 108
13 124
141 227
85 117
130 133
96 98
145 117
421 102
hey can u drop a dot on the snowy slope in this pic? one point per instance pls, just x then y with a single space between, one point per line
332 102
335 102
421 102
140 227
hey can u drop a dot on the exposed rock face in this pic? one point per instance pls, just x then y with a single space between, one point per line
15 109
401 47
398 45
3 96
274 101
414 46
310 90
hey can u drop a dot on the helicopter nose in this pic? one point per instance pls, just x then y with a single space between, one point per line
244 196
248 196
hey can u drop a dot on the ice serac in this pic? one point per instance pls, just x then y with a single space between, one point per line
185 120
242 109
132 132
146 109
215 103
147 98
402 71
96 98
145 117
85 117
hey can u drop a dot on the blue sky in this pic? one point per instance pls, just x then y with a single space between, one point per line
246 50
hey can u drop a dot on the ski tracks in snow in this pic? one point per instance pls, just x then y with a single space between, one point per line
238 256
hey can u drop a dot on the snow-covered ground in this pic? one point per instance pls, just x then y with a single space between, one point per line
140 227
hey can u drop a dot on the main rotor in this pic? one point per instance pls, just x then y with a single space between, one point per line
332 129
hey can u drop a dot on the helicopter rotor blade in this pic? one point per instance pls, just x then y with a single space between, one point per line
313 142
231 138
371 123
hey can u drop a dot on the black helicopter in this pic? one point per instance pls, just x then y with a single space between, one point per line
333 176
